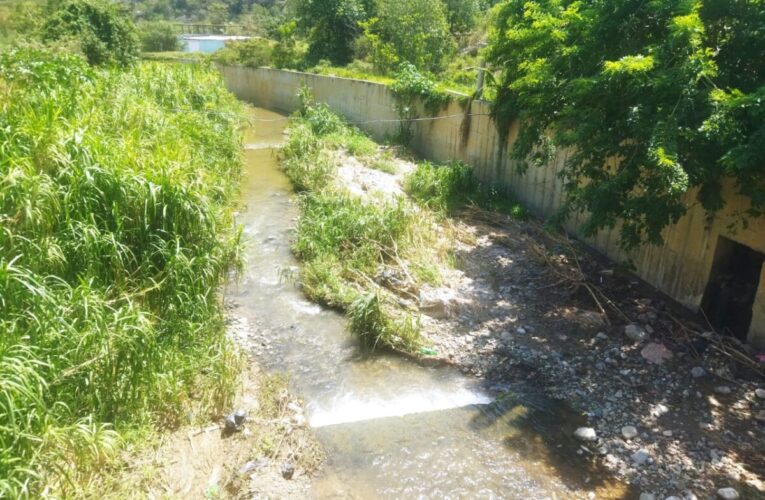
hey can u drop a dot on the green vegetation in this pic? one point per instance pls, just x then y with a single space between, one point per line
368 39
158 36
416 31
100 29
344 241
116 189
656 100
331 27
413 88
446 188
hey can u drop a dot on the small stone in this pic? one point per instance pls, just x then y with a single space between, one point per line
640 457
667 434
635 332
601 336
647 496
760 393
673 497
230 423
656 353
722 389
659 410
727 493
760 416
294 407
240 416
586 434
629 431
520 330
299 420
698 372
248 467
288 470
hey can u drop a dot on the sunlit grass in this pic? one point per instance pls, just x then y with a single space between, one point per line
446 188
115 229
343 240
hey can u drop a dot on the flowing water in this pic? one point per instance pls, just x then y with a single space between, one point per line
391 428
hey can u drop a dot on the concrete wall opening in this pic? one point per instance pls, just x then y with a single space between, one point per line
732 287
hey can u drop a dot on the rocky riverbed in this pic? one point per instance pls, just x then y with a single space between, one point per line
672 408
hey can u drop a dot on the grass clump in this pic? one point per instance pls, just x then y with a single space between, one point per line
116 193
344 240
445 188
384 165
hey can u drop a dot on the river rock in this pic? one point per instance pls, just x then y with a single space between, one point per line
240 416
656 353
698 372
760 416
640 457
288 470
634 332
760 393
586 434
230 423
629 431
647 496
727 493
723 389
438 303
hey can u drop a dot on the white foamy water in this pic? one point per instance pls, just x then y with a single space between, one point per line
351 408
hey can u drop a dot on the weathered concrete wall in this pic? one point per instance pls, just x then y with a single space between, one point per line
680 267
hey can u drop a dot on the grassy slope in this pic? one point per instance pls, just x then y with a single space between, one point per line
115 207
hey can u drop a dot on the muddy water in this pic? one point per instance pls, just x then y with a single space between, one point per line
391 428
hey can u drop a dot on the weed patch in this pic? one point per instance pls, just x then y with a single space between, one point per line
343 240
116 191
445 188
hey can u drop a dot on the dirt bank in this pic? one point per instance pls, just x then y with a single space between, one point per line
272 454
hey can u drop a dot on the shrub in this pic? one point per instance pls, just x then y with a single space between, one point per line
255 52
415 31
103 30
332 26
158 36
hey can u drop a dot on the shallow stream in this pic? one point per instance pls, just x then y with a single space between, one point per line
391 428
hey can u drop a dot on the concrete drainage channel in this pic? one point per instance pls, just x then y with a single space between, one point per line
391 428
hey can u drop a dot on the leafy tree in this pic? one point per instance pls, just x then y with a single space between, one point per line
104 31
218 13
332 26
287 53
416 31
158 36
461 14
656 98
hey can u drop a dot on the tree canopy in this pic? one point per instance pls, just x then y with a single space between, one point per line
655 98
332 26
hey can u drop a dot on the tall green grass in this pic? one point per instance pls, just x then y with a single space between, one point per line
446 188
115 229
344 240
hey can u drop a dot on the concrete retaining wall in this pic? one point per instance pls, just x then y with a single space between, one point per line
681 267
